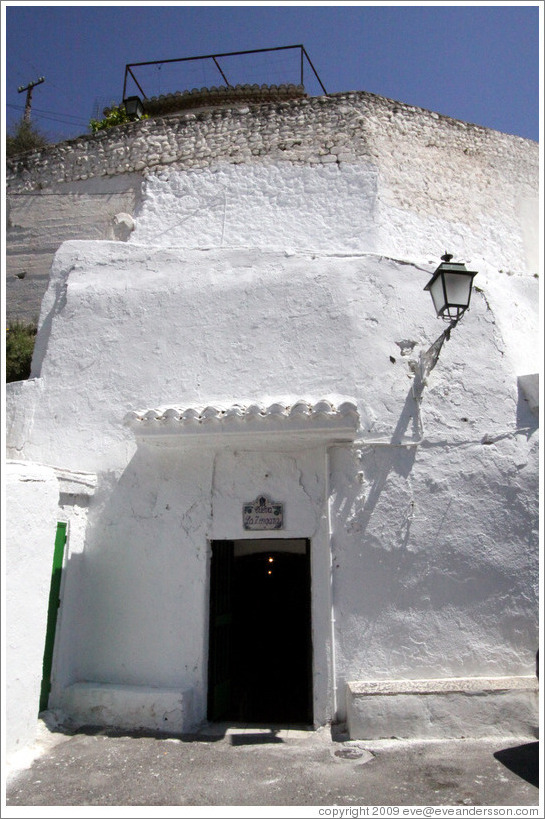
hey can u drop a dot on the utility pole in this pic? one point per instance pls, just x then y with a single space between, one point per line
28 88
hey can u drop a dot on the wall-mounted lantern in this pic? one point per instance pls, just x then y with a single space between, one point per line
450 288
133 107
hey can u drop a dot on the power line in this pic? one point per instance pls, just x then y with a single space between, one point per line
42 111
70 125
42 193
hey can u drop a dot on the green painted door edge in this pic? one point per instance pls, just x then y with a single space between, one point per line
52 611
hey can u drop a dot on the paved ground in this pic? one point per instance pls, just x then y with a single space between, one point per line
245 765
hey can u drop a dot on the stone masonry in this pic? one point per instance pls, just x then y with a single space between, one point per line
76 189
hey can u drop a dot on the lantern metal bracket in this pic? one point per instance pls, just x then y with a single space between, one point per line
429 359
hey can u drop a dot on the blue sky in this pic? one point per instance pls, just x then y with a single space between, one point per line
478 63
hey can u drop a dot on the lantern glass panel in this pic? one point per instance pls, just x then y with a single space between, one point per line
458 287
438 295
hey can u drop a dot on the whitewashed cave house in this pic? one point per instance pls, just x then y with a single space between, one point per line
275 513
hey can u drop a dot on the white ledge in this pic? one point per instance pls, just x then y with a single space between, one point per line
75 483
365 688
450 708
321 419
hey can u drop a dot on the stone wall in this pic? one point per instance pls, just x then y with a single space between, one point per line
40 220
336 128
423 160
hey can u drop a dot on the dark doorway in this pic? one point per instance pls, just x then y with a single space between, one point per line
260 659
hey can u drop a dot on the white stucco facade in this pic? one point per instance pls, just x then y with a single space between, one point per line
31 503
259 334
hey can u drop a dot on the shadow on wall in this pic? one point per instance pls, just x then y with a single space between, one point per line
528 403
44 331
69 646
375 527
400 455
142 584
397 457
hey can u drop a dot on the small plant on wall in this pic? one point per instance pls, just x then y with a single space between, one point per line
20 338
115 115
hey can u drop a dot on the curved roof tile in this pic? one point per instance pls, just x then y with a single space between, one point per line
320 417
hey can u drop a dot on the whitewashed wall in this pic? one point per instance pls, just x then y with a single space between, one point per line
253 283
437 532
32 497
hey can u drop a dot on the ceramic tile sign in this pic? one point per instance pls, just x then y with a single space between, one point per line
263 514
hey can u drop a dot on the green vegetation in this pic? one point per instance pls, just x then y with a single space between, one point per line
116 115
25 137
20 338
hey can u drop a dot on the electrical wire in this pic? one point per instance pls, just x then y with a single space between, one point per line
43 111
55 118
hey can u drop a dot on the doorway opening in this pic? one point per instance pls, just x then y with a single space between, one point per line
260 652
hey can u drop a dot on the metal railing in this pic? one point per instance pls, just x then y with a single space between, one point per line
214 58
